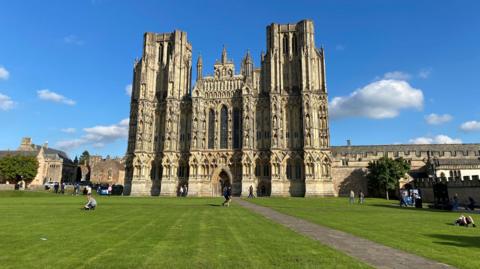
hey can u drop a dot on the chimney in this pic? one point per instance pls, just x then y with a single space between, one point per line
349 142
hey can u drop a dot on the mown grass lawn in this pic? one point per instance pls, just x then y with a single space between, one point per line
42 230
428 233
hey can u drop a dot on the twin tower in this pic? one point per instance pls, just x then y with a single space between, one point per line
263 127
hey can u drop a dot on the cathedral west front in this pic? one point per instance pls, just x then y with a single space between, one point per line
265 127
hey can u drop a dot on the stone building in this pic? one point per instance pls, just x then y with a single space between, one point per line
107 171
456 164
264 126
53 164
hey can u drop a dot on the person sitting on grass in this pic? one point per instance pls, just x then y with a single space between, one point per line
465 221
91 204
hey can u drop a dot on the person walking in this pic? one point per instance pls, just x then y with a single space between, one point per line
250 192
361 197
352 197
226 196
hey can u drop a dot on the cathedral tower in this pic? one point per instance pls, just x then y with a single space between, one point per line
263 127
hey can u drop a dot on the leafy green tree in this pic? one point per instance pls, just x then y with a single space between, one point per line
14 168
84 157
385 173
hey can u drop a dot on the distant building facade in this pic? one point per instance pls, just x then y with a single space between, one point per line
106 170
458 165
53 164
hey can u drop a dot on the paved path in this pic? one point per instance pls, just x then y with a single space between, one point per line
372 253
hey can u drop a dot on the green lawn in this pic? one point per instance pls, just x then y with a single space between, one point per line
429 233
126 232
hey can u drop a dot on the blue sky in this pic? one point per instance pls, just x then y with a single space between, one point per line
65 65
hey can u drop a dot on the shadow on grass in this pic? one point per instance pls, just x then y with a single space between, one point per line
457 240
214 205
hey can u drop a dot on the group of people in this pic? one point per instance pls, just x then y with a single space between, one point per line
57 186
465 221
456 203
361 197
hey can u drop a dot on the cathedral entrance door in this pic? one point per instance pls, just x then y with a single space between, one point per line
219 182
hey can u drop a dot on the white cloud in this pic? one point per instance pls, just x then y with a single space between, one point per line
97 136
435 119
378 100
397 75
48 95
6 103
439 139
69 130
4 74
128 89
424 73
470 126
74 40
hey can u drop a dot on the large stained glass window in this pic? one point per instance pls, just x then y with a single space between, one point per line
237 128
211 129
224 128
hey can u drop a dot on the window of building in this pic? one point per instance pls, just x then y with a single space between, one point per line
259 135
211 129
237 128
475 177
298 171
466 177
285 44
266 170
257 170
223 128
345 162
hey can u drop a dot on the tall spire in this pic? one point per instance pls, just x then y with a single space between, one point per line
224 55
199 68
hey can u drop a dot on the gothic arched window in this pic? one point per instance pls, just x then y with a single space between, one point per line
211 129
223 128
237 133
285 44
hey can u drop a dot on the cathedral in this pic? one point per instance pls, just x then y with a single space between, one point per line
265 127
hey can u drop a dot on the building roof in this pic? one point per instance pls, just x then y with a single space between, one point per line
440 162
404 148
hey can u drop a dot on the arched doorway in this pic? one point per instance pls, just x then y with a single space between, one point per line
220 181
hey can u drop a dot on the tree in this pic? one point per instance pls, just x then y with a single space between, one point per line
385 173
75 161
15 168
84 157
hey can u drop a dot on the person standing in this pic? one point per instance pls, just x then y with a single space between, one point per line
455 202
352 197
361 197
109 190
185 191
250 192
181 191
55 187
62 188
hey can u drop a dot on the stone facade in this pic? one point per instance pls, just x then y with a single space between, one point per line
454 162
266 127
107 171
53 164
